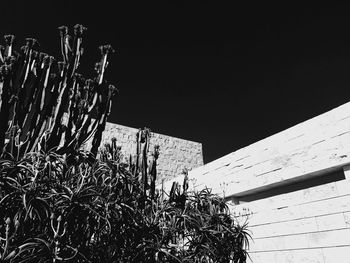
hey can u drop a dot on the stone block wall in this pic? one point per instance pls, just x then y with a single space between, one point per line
307 149
307 223
175 154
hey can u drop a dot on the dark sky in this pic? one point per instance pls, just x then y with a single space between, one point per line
224 75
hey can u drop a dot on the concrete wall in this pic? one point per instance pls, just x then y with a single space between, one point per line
175 154
309 225
293 186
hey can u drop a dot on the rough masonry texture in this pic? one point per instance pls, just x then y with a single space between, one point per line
175 154
293 188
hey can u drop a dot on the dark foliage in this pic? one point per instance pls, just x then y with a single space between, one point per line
100 210
45 103
59 203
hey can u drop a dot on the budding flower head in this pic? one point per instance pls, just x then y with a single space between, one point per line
97 66
106 49
88 85
89 82
9 39
35 54
79 30
31 42
9 60
61 65
48 60
4 70
113 89
79 77
63 30
42 55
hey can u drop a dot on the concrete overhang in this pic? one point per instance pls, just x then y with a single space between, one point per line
312 148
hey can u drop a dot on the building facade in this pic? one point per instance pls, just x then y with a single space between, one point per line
175 154
293 188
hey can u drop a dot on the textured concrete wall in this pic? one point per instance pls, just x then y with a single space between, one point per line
310 148
175 154
308 224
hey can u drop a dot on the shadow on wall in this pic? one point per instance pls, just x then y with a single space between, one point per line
288 187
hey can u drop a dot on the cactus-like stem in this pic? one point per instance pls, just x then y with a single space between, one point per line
138 153
57 105
145 148
185 183
9 39
77 48
153 171
105 50
7 238
57 235
64 43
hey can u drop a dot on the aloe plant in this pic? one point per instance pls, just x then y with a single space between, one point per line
48 104
60 203
97 210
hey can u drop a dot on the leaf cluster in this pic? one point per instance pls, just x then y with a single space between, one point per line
59 203
99 210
